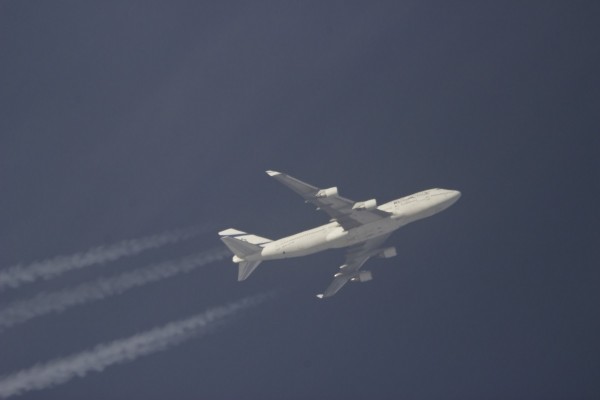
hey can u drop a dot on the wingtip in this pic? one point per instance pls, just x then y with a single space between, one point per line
320 296
231 232
272 173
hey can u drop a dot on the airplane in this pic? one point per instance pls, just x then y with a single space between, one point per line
361 227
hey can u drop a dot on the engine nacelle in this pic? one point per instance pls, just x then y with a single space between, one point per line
388 252
362 276
365 205
332 191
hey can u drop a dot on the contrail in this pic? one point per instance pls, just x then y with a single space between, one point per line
45 303
18 275
120 351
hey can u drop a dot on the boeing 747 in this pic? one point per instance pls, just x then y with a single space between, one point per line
360 227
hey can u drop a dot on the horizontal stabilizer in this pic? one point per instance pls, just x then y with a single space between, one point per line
240 248
231 232
244 237
243 245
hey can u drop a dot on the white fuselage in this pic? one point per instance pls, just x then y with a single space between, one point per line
330 236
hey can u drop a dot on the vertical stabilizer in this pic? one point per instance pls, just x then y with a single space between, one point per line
246 268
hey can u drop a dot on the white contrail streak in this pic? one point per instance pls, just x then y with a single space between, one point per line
45 303
18 275
120 351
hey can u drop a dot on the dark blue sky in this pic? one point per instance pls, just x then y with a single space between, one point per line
123 119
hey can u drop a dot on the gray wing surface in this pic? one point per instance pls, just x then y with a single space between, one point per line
337 207
356 257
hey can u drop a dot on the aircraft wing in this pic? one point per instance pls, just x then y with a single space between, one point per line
356 256
347 213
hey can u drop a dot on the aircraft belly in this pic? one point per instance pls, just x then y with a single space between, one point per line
366 232
327 237
302 244
305 246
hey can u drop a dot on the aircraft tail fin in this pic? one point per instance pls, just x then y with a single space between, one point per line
243 245
246 268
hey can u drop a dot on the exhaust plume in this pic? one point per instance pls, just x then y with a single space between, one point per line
61 370
45 303
17 275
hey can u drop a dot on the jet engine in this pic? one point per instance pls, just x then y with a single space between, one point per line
388 252
362 276
333 191
365 205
